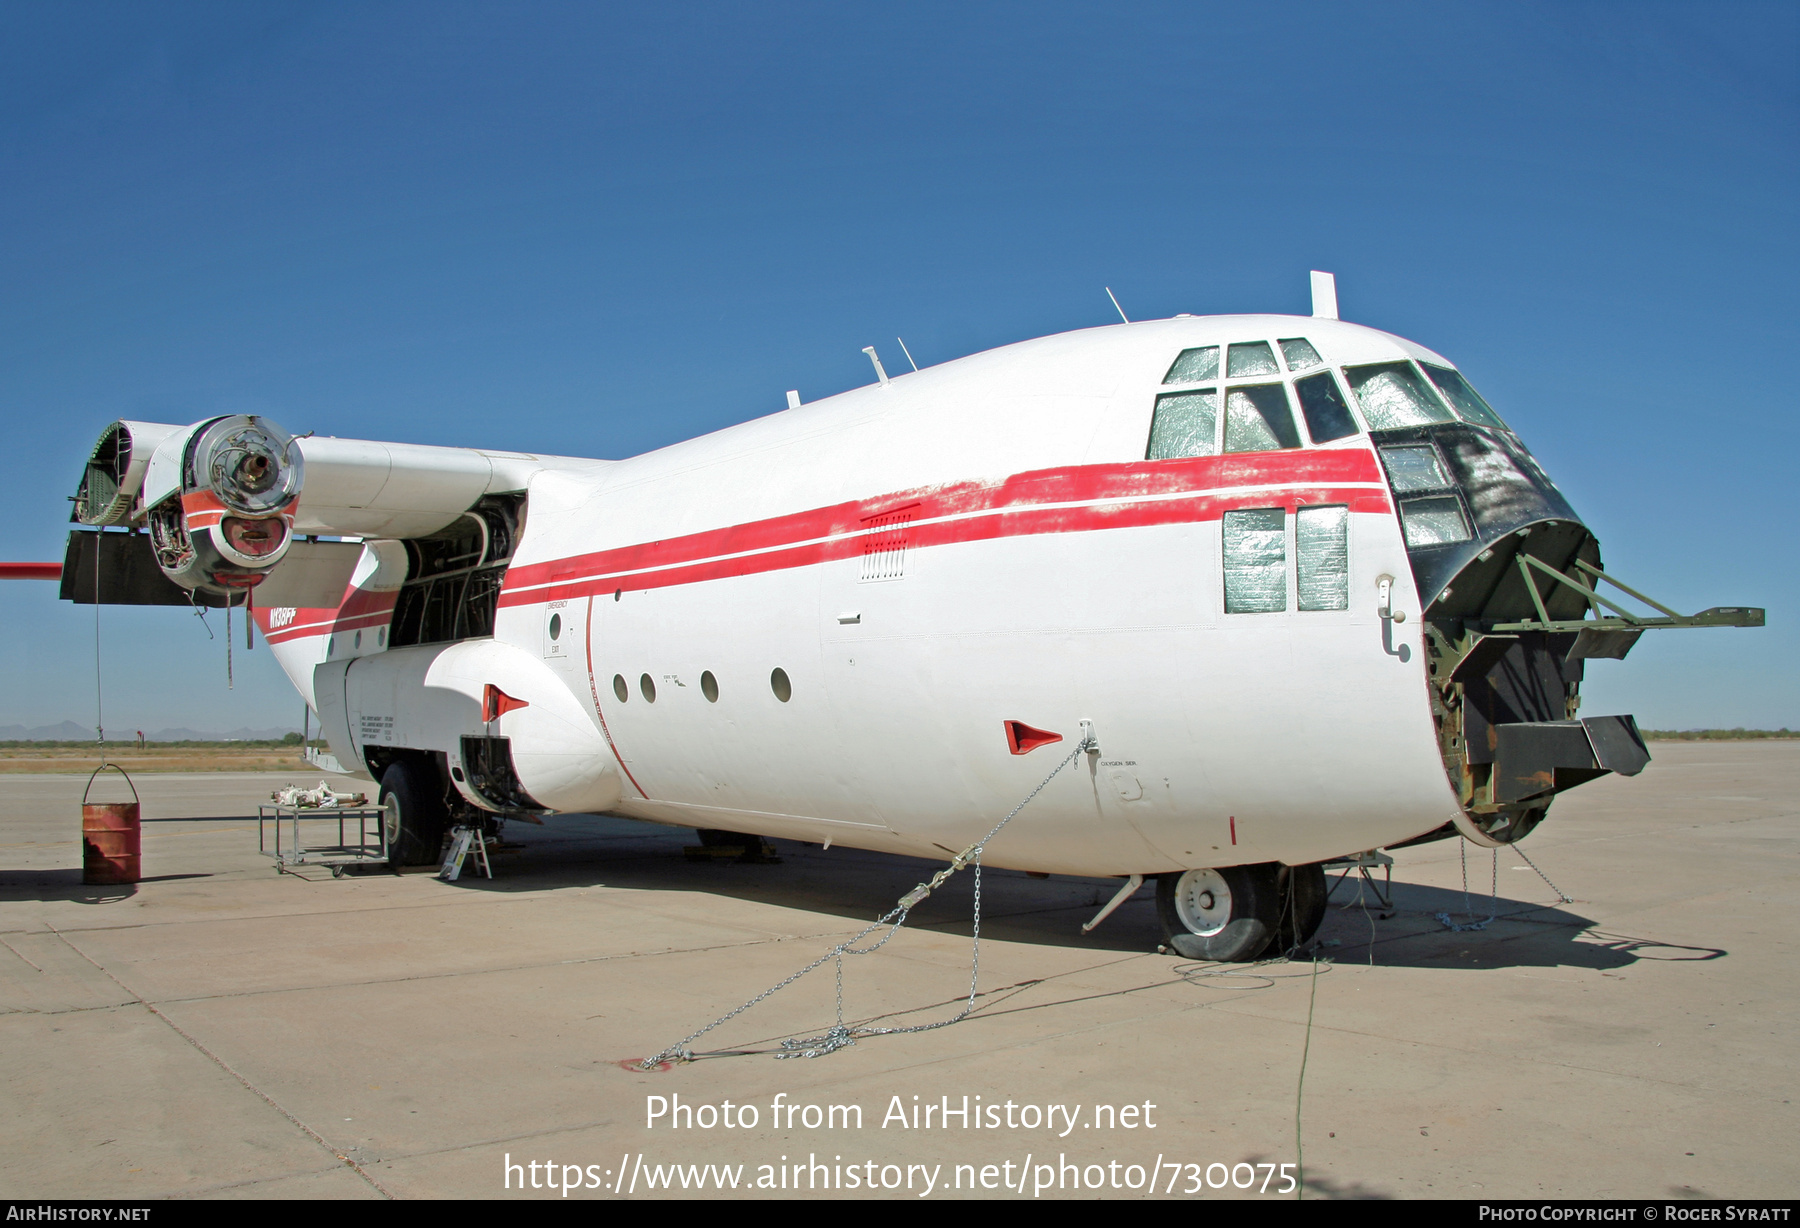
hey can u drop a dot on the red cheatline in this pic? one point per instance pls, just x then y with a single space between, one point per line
30 571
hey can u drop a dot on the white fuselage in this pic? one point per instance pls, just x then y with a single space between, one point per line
925 560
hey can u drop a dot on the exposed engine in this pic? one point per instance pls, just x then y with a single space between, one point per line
217 497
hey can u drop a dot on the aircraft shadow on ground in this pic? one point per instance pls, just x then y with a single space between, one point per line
851 887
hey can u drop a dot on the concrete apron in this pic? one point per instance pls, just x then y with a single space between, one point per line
219 1030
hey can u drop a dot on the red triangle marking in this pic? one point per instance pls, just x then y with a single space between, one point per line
1022 739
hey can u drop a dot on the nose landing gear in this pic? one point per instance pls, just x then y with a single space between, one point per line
1231 914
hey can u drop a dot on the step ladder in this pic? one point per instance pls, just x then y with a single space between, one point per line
462 839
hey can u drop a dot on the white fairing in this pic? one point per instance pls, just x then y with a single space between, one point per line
429 697
972 544
163 472
143 439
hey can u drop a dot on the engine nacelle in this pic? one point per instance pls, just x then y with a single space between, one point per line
114 476
220 499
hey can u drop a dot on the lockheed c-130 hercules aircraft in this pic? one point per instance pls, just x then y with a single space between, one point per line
1298 587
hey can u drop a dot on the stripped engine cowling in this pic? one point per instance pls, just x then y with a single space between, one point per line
218 498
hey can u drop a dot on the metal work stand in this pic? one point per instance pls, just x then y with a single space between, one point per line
1362 863
369 849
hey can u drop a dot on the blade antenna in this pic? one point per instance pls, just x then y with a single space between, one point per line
907 352
1116 307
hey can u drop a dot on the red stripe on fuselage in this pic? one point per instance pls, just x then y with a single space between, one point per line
1076 499
1073 500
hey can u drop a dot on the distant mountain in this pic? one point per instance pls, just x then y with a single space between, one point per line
243 733
69 731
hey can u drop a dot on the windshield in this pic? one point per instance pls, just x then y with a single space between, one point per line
1392 394
1467 402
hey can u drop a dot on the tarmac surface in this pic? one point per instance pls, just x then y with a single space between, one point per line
221 1030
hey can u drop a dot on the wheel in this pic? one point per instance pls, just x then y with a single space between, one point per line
1302 906
1226 914
414 816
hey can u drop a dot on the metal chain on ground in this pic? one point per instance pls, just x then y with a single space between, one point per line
840 1034
1562 897
1443 918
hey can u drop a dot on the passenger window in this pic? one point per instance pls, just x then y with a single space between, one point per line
1327 417
1186 424
1251 358
1322 555
1392 394
1299 353
1192 366
1257 419
1462 397
1255 554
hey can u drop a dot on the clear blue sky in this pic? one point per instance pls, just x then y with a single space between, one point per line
598 229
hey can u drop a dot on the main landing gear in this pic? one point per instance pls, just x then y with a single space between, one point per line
1230 914
414 815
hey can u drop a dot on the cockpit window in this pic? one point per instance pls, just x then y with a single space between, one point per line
1186 423
1327 417
1433 522
1257 418
1192 366
1251 358
1462 397
1392 394
1299 354
1413 467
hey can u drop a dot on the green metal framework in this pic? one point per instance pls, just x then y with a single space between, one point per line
1621 619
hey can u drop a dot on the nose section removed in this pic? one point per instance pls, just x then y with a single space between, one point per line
1510 579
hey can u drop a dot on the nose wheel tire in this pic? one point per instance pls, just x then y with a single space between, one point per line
1228 914
413 814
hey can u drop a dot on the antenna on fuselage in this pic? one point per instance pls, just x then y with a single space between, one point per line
1324 290
876 359
907 352
1116 307
793 398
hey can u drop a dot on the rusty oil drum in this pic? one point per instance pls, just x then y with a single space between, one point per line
111 838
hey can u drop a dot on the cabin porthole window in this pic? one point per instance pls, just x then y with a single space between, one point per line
620 688
709 687
648 688
778 682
